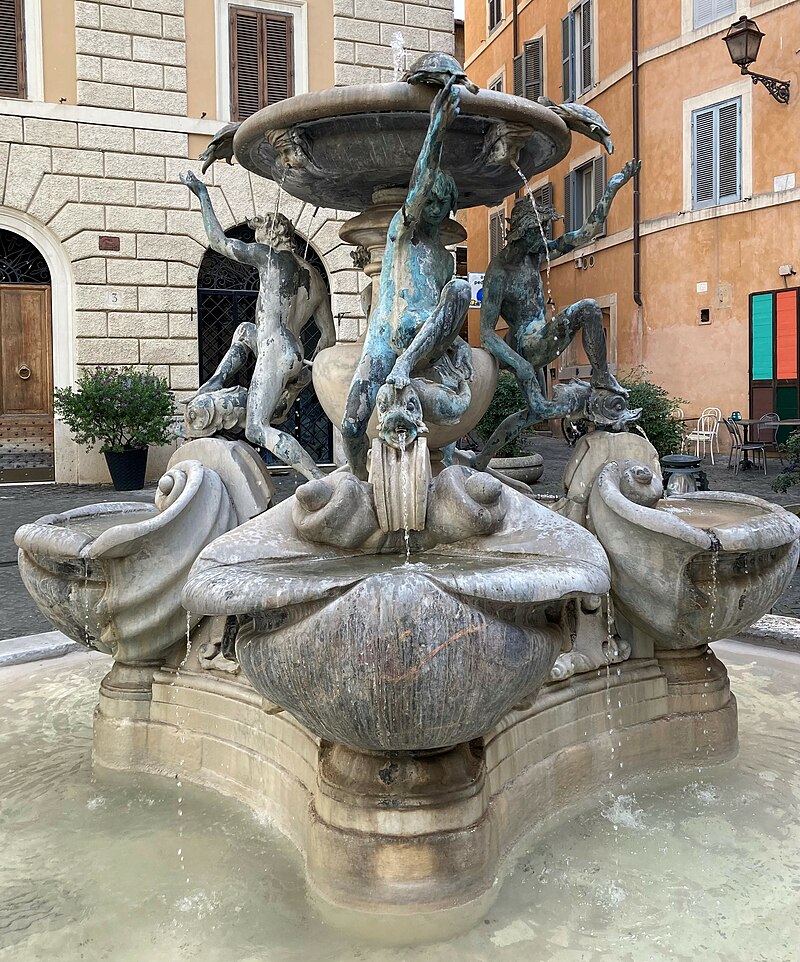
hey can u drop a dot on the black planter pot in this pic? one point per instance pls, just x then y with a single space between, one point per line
127 468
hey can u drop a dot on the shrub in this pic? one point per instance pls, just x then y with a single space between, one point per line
118 409
508 399
791 472
658 411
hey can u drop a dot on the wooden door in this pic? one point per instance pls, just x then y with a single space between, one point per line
26 384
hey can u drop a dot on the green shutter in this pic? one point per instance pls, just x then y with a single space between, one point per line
761 335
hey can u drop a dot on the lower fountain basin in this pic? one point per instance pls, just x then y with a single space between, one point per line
715 561
383 655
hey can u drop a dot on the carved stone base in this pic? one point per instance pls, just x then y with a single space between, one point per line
409 847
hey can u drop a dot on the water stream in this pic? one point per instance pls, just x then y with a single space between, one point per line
675 866
529 192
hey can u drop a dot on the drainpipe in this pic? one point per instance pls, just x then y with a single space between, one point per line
514 32
637 273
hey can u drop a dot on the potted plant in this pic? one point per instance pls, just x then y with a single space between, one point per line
124 411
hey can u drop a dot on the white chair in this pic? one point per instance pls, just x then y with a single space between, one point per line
714 412
704 434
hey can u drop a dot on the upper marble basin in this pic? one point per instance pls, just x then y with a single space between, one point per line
333 148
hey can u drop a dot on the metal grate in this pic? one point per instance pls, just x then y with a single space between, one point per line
20 261
227 293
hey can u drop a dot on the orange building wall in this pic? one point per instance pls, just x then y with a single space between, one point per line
733 253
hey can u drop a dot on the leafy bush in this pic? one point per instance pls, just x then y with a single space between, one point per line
117 408
791 472
658 411
508 399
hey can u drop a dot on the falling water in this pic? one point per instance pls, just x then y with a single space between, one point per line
404 491
308 233
398 45
532 199
86 602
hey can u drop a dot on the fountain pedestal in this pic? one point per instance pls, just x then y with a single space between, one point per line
406 848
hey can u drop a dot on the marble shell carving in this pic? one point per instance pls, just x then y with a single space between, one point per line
119 590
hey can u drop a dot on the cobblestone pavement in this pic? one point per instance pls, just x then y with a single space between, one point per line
20 504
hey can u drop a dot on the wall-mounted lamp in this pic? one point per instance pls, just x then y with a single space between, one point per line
743 40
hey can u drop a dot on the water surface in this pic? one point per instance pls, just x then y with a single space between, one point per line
695 865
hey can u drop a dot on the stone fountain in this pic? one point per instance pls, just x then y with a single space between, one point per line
407 665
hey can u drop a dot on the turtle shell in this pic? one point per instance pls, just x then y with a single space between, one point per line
435 63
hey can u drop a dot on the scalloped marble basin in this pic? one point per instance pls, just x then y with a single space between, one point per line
696 568
334 148
381 655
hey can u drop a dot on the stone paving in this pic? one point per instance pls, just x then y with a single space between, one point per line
20 504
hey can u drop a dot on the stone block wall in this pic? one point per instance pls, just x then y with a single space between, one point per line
363 31
131 55
138 305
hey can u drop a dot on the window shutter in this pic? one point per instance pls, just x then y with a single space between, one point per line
534 79
587 27
543 197
262 61
707 11
12 49
703 157
519 70
569 197
567 87
496 232
280 60
599 180
729 178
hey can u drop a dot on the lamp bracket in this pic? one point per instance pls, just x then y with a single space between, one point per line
778 89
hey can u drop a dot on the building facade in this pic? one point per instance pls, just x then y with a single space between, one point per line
103 257
693 272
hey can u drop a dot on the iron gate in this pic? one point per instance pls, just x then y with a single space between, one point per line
227 293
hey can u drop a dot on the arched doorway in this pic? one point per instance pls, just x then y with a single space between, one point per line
26 363
226 296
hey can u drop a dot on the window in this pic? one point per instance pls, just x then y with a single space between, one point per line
497 231
543 197
460 256
262 59
716 154
497 84
495 13
577 51
529 70
707 11
574 362
583 188
12 49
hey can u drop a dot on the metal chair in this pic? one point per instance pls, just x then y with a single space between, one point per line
767 432
740 449
705 433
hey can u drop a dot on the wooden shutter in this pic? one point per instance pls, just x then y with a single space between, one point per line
12 49
519 75
567 60
728 166
703 157
534 68
496 232
262 59
586 43
543 197
599 182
